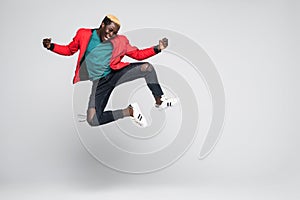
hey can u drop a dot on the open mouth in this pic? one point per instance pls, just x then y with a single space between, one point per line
106 37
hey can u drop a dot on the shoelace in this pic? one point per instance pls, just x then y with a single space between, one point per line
82 116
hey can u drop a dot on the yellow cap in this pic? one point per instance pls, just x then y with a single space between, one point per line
114 19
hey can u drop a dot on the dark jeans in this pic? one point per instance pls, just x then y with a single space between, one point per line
103 87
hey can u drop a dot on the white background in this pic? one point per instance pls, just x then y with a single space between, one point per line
255 47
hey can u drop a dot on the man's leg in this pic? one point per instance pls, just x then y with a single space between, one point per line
92 105
147 71
140 70
96 115
100 93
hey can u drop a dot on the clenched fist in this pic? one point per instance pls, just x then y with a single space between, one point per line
163 43
47 43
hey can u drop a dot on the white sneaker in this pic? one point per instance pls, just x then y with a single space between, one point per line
167 102
138 117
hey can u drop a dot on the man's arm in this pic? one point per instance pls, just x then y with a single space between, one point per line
65 50
138 54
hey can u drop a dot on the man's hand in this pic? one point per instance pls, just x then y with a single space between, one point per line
47 42
163 43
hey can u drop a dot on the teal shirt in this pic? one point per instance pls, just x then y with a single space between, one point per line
97 57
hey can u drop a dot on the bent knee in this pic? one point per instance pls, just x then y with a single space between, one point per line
147 67
93 121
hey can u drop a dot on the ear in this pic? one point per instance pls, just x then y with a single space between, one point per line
102 25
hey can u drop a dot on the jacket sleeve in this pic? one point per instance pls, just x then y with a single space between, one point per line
67 50
140 54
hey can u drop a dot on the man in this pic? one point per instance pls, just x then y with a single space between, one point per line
99 60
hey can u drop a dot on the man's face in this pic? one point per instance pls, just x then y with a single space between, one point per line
108 31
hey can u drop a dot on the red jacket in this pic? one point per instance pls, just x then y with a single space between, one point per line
121 47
